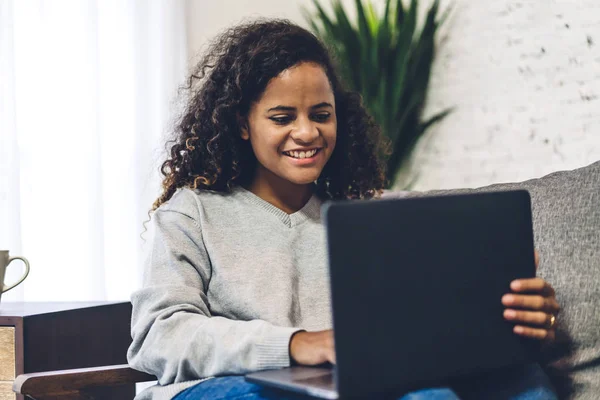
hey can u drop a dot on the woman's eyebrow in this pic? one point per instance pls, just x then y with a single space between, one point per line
288 108
282 108
323 104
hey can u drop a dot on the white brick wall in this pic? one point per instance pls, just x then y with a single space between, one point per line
522 75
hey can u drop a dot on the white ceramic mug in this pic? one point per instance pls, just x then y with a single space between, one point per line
5 259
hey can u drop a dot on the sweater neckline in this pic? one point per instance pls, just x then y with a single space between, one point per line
311 210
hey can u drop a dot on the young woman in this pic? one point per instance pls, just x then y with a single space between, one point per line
236 278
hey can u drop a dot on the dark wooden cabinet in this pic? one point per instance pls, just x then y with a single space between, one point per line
37 337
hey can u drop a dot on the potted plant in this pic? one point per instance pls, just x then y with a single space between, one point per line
387 58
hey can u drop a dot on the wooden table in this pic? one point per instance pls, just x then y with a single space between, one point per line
37 337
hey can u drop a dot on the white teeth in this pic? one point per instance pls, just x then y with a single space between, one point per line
301 154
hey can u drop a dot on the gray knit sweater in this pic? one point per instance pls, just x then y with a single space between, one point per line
229 278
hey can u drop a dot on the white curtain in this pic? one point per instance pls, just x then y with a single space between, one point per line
87 92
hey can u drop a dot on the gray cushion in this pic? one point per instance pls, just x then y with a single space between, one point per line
566 219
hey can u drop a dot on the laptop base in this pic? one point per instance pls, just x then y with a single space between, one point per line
316 382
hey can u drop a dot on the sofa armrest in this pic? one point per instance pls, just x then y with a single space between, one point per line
74 383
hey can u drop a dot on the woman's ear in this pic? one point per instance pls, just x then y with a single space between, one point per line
244 130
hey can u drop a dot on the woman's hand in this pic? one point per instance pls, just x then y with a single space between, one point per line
312 348
532 307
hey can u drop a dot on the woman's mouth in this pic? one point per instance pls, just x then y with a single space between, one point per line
302 154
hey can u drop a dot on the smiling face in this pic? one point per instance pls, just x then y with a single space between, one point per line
292 127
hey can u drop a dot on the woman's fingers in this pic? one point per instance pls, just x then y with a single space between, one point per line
535 333
531 302
536 318
532 285
532 307
532 315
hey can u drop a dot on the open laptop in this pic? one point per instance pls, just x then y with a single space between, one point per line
416 288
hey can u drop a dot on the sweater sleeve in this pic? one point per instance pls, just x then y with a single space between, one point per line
174 335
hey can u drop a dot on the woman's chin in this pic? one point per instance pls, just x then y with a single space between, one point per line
304 180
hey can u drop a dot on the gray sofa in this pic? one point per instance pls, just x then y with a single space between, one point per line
566 219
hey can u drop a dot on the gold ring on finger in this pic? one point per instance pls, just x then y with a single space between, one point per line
552 321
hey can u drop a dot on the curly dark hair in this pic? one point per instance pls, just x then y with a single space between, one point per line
208 151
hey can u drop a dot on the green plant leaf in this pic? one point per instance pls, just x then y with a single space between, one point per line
363 25
400 13
434 119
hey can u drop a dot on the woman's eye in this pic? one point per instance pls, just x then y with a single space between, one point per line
322 117
281 120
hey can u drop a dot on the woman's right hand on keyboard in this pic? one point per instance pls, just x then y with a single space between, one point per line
312 348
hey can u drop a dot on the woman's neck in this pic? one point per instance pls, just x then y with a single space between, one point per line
284 195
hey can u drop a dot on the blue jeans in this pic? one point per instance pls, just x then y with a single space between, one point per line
517 383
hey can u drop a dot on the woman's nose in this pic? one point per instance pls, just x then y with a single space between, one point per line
305 132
